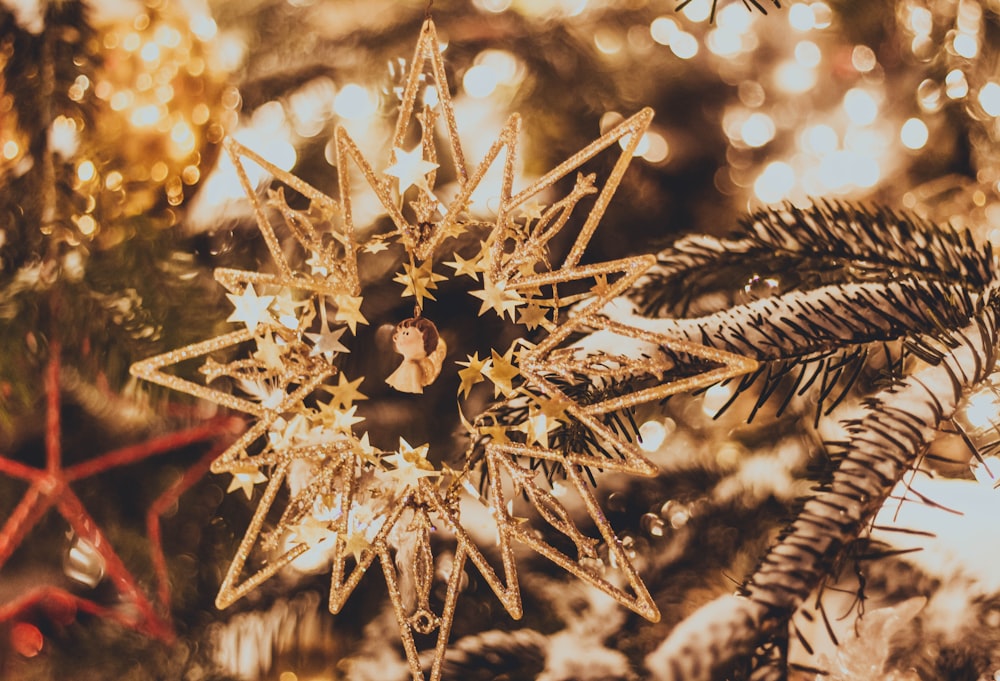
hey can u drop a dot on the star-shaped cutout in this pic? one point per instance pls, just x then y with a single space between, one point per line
502 372
537 427
349 311
555 407
335 418
497 297
532 316
364 448
411 465
312 530
327 342
532 210
410 169
356 543
269 353
470 268
345 392
375 246
497 433
472 373
418 281
244 479
317 265
286 307
600 287
250 308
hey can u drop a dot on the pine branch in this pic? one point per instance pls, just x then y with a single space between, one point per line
821 338
754 4
897 427
831 242
802 324
496 654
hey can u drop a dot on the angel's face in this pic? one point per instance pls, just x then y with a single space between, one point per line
409 342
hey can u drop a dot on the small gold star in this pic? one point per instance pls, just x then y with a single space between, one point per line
496 432
356 543
327 343
473 373
349 311
502 372
375 246
311 531
244 478
532 316
340 420
363 447
537 427
470 268
268 352
532 210
251 309
554 408
345 392
496 297
418 281
601 286
410 463
410 169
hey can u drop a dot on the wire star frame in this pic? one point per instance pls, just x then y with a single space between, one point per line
357 502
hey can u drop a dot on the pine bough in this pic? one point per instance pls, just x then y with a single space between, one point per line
863 278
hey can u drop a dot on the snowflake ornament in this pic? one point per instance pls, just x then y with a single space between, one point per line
555 399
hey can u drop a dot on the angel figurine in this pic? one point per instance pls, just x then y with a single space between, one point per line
423 351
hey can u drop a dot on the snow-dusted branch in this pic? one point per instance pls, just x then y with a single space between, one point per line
802 323
896 427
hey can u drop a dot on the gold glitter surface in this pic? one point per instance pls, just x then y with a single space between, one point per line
355 503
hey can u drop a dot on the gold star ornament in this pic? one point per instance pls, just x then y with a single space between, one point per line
552 397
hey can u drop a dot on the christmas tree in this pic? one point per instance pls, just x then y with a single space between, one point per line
628 340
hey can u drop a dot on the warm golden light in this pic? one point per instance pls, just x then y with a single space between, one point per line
863 58
204 27
965 45
697 11
353 102
757 130
955 84
821 139
929 95
793 77
663 30
860 106
86 171
989 98
651 435
914 134
684 45
86 224
807 53
658 149
775 183
921 20
145 116
981 409
150 52
480 81
801 17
